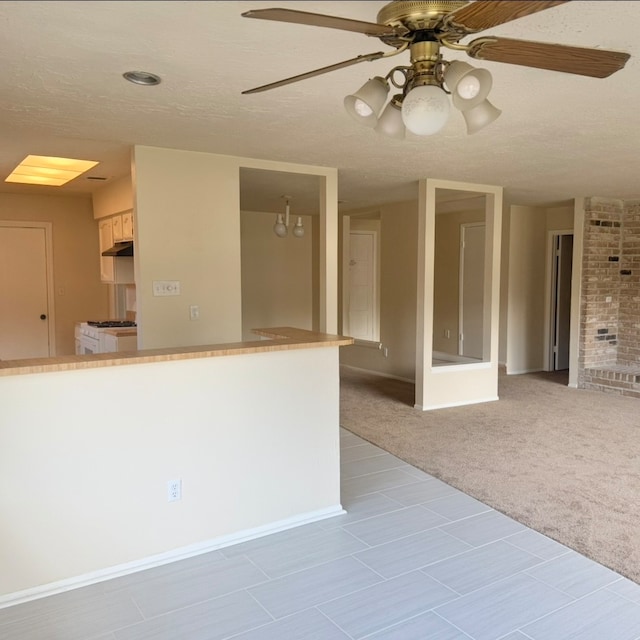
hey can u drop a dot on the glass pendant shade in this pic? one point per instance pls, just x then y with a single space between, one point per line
480 116
425 110
390 122
279 228
365 104
469 86
298 229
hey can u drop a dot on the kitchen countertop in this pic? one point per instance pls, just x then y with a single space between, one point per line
121 332
279 339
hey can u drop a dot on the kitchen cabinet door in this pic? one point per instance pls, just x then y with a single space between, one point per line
127 225
116 226
113 270
105 228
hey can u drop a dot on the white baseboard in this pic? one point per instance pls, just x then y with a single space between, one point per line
450 357
517 373
462 403
174 555
377 373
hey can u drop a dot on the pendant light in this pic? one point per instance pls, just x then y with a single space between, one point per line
281 226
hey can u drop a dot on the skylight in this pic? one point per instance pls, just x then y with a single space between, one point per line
48 170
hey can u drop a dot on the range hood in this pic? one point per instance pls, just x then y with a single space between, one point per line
120 249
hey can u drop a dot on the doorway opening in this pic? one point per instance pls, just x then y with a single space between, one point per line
559 319
361 278
471 291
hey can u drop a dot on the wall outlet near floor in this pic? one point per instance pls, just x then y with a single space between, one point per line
194 312
174 490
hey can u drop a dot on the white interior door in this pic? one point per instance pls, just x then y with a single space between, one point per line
471 290
24 315
363 321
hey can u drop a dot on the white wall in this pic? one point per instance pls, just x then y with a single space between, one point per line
187 229
278 284
446 299
525 322
438 387
187 219
527 303
398 272
114 197
84 471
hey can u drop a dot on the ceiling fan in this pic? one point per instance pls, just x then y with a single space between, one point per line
424 28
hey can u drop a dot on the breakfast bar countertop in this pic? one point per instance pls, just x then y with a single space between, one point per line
278 339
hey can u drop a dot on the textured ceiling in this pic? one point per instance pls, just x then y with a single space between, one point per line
62 93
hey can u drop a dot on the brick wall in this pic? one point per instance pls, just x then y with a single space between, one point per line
600 274
610 302
629 288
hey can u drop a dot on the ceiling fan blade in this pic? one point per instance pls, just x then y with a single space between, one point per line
583 61
310 74
320 20
478 16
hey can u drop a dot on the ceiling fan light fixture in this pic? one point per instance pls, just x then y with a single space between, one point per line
480 116
390 122
469 86
424 28
425 109
365 104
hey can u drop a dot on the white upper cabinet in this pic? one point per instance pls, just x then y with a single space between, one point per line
113 270
127 225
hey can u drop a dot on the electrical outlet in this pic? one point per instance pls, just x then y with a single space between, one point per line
174 490
194 312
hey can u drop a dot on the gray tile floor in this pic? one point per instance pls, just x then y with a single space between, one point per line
413 559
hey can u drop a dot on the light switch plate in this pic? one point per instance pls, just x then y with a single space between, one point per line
166 287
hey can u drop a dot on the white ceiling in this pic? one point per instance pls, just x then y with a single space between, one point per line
62 93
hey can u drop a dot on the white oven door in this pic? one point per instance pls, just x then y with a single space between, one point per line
88 345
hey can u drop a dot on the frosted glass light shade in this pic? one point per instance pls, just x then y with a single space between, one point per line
480 116
365 104
279 228
390 122
298 229
469 86
425 110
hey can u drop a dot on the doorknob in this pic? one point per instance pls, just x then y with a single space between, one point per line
43 316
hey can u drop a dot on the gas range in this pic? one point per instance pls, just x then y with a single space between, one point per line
94 328
109 324
90 335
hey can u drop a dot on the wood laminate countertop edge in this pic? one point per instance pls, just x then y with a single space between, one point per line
280 339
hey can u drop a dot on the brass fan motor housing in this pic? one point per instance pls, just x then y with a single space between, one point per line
415 16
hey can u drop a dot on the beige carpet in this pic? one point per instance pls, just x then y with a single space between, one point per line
563 461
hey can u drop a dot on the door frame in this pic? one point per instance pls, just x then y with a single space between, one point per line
347 230
550 291
48 247
375 306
